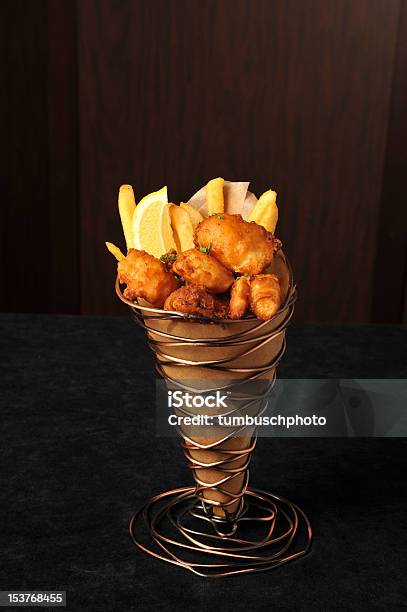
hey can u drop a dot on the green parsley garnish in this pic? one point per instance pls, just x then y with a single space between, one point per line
168 258
206 249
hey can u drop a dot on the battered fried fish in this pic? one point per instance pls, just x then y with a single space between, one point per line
192 299
201 269
240 246
239 297
146 277
265 296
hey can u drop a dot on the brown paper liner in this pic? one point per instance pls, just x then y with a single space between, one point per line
240 351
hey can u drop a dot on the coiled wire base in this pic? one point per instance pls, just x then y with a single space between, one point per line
270 531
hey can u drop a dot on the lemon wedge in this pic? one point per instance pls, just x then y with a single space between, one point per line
155 196
151 224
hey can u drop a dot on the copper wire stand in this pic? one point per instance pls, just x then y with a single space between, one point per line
283 534
211 529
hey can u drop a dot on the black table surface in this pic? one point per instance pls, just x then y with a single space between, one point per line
79 454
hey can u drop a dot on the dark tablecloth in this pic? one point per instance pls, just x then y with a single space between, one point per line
79 454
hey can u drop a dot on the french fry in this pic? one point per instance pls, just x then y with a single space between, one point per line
115 251
265 212
127 206
194 214
182 228
214 196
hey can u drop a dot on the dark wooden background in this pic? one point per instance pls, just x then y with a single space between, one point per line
308 96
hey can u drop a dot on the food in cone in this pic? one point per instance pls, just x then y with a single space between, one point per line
213 274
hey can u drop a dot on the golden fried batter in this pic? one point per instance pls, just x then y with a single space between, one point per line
192 299
202 269
146 277
265 296
239 245
239 297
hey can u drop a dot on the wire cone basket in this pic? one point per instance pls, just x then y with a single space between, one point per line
239 358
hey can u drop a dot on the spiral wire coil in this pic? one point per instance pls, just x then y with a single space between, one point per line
275 521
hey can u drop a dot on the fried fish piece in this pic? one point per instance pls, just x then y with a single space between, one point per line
193 299
239 297
240 246
201 269
265 296
146 277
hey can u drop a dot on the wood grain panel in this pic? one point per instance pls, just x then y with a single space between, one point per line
63 156
25 235
390 281
39 228
293 94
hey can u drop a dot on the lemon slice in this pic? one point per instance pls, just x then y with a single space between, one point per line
152 225
155 196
